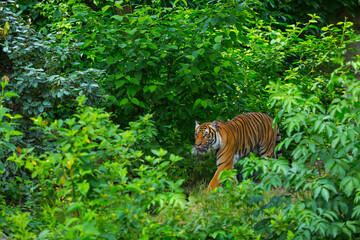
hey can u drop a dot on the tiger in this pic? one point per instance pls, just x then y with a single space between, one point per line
235 139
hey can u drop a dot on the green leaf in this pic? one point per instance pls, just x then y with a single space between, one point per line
132 90
162 152
335 142
57 13
138 75
2 112
83 187
197 102
146 54
124 101
317 124
226 64
122 45
325 194
240 6
191 57
90 229
16 133
204 104
133 31
105 8
142 104
88 42
218 39
217 233
356 212
74 206
347 232
195 71
329 131
134 81
217 69
347 184
351 225
312 146
152 88
155 152
201 51
6 28
43 235
134 188
217 46
214 20
135 101
209 102
212 57
343 138
119 84
118 18
19 179
152 46
11 94
317 191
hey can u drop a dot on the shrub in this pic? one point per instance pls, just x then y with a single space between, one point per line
320 117
100 186
14 182
177 63
41 69
96 167
43 73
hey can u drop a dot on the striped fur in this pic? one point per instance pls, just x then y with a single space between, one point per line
230 141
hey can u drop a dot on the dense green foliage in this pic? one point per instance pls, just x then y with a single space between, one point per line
92 92
164 61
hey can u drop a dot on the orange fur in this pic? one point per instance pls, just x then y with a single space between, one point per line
236 139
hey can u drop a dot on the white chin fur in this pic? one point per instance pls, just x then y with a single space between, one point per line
201 152
194 151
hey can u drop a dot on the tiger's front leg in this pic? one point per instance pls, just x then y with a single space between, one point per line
222 165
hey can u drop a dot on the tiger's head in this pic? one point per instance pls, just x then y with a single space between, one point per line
206 136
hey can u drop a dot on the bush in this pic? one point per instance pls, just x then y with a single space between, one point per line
176 63
14 182
327 138
95 167
320 117
43 73
42 70
99 186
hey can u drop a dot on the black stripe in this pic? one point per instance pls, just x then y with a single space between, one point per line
225 162
252 134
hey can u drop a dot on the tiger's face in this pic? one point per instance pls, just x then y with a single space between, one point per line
204 137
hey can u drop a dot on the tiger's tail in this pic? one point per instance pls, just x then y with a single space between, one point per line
278 140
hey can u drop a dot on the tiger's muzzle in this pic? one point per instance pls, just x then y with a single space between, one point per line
202 149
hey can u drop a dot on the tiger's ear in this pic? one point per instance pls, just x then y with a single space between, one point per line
196 124
215 124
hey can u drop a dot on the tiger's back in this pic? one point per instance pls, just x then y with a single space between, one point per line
249 132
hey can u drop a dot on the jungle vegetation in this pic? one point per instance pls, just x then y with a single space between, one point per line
98 104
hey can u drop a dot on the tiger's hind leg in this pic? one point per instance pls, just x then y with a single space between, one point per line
267 150
278 140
